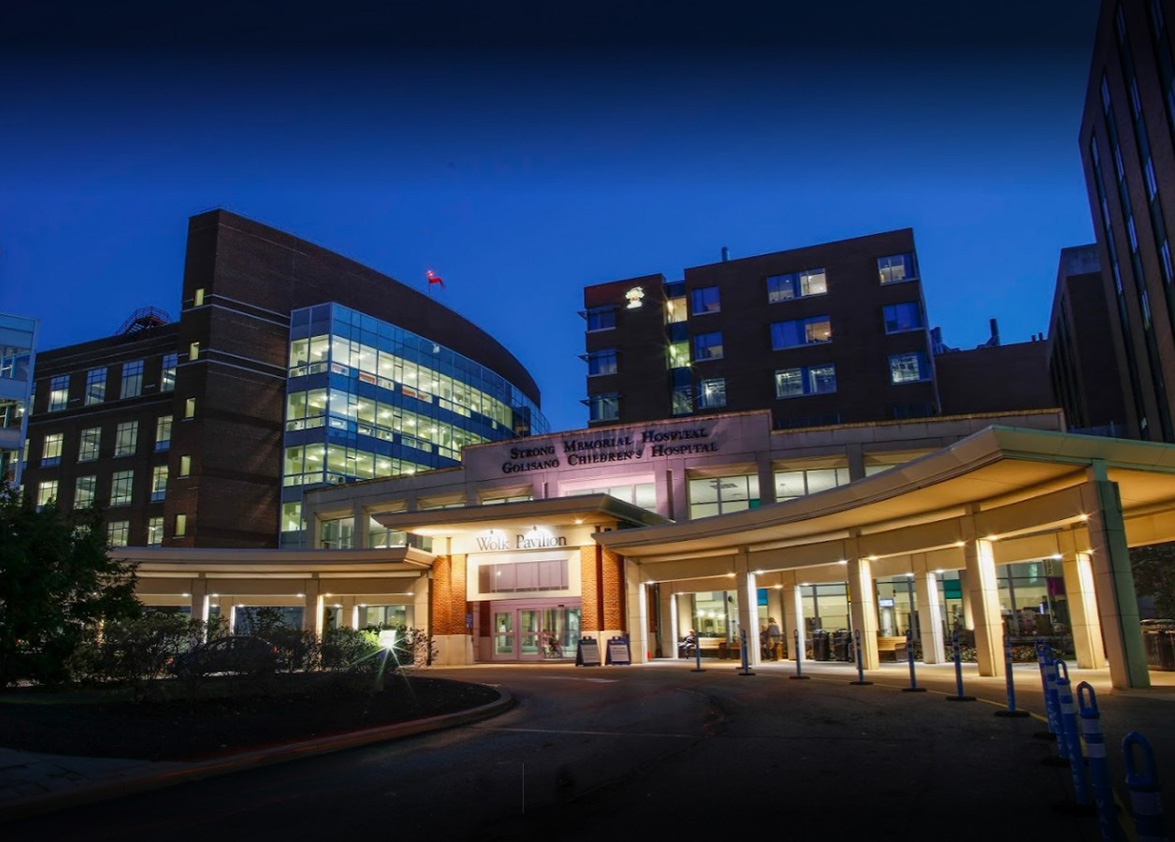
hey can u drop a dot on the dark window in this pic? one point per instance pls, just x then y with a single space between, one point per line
601 318
603 407
708 346
602 362
704 300
904 316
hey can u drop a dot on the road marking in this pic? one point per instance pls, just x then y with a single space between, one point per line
584 733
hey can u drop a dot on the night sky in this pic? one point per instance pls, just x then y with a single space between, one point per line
524 150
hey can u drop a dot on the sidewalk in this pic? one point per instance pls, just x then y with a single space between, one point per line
31 784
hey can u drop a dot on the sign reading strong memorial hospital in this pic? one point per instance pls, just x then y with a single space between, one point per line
612 446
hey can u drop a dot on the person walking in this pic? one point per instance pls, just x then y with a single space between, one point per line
774 640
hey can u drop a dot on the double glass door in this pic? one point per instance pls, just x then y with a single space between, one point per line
535 632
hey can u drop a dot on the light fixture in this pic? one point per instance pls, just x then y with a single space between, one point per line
578 521
1056 557
731 575
300 595
911 575
991 538
408 593
779 587
939 571
843 561
758 572
960 543
805 585
185 594
1084 516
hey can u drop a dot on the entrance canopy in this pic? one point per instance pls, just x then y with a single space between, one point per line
1019 488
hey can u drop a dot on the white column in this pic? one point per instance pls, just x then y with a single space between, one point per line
1083 620
200 603
985 605
929 614
748 608
864 608
793 617
636 602
1113 582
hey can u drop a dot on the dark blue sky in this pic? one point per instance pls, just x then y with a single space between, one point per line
525 150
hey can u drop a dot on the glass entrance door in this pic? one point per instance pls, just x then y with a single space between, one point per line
536 633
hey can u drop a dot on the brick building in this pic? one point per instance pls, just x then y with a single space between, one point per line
289 366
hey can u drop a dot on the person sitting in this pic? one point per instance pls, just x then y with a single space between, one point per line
688 644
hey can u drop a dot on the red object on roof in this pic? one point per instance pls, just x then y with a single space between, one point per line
433 279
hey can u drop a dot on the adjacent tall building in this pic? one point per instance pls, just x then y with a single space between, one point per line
1127 143
289 367
828 334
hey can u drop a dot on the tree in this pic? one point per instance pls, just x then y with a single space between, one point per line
57 585
1153 567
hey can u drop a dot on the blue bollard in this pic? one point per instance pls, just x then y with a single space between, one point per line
746 667
799 650
1099 767
958 697
697 653
860 660
1072 739
1145 803
1011 686
1044 661
1056 723
913 688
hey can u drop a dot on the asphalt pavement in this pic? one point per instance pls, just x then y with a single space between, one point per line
37 784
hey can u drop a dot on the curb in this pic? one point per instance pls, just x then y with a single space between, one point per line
133 784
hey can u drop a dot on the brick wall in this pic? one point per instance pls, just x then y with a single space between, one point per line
448 595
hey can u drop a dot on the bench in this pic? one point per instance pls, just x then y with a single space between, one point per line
891 648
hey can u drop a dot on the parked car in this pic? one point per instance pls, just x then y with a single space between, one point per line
236 653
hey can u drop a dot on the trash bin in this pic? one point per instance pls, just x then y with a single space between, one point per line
820 646
1159 638
840 645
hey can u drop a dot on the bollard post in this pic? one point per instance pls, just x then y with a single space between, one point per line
697 653
1044 659
959 697
746 667
1099 767
1056 722
1011 710
799 650
860 660
1145 803
1072 740
913 688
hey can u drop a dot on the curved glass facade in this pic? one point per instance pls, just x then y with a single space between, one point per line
366 399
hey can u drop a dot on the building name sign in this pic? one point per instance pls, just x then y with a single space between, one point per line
528 541
620 447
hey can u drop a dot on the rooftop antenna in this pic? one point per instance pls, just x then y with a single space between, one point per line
725 254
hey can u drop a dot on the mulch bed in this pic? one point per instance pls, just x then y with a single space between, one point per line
292 707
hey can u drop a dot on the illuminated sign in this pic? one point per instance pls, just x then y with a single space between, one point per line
634 297
614 447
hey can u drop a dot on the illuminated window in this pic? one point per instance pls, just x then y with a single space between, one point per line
167 378
792 484
796 285
807 380
797 332
46 492
163 432
190 408
910 367
118 533
181 525
712 393
896 268
185 466
51 450
194 351
154 532
198 297
722 495
158 482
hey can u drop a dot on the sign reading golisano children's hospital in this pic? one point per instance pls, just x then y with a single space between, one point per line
613 446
